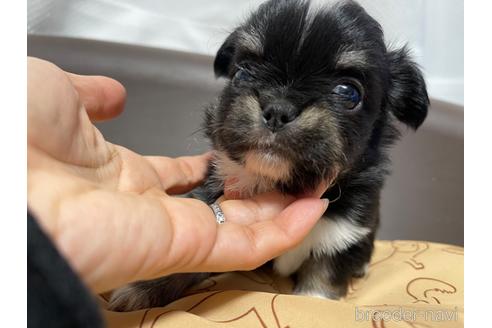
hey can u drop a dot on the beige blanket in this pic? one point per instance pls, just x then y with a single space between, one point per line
409 284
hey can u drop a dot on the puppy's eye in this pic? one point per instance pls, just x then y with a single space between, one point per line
349 95
242 75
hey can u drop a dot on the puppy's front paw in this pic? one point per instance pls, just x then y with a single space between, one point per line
362 272
129 298
154 293
324 293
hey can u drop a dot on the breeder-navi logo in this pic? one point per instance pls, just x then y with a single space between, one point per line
405 314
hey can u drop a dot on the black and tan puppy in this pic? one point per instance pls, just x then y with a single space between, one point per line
312 94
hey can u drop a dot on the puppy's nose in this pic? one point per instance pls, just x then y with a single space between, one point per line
278 114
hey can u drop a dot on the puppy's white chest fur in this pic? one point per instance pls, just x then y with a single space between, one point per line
327 237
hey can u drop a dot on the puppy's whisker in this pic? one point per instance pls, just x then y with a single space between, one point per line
200 130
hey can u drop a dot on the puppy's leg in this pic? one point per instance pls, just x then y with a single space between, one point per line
328 275
153 293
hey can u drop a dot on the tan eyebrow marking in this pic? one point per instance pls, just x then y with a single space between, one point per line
352 58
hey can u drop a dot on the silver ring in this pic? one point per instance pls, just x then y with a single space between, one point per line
219 215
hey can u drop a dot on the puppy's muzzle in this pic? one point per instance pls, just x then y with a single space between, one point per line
278 114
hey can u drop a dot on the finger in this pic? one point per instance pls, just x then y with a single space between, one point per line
103 97
261 207
200 244
182 174
247 247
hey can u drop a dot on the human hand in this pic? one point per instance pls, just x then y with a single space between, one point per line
111 212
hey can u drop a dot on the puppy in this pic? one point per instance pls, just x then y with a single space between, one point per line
312 95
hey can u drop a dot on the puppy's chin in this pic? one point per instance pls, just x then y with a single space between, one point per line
267 164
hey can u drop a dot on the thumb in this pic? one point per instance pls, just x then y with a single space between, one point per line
246 247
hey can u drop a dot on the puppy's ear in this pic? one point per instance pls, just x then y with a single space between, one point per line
224 57
407 96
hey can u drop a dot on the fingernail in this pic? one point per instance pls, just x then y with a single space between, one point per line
326 202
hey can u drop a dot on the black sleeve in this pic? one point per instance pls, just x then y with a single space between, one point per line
55 295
